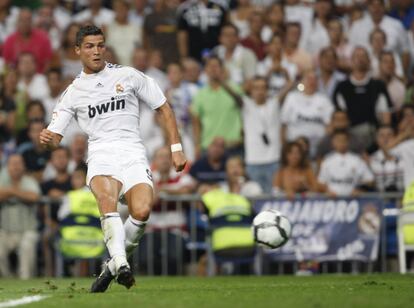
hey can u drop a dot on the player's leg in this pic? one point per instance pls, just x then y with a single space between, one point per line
106 191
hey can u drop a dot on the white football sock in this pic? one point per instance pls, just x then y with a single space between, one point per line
114 237
134 230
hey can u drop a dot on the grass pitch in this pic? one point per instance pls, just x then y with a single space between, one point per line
389 290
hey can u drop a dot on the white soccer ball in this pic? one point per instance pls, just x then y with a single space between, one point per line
271 229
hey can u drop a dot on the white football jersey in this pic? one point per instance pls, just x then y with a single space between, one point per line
106 106
342 173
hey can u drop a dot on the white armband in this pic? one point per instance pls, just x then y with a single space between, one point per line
177 147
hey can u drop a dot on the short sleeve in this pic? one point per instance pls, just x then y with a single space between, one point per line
147 90
62 114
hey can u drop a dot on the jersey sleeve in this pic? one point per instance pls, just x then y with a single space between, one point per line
147 90
62 114
365 173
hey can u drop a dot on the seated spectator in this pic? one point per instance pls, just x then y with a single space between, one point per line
365 99
34 154
44 20
210 169
387 169
167 217
30 82
295 175
328 74
122 35
339 121
378 40
61 16
7 114
9 14
215 111
306 113
192 72
395 86
262 144
254 40
55 189
239 17
342 172
239 61
278 71
96 13
293 53
275 21
34 112
18 222
340 44
237 180
27 40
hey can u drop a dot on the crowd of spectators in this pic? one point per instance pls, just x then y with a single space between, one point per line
313 96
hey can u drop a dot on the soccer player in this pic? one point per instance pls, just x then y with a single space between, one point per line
105 100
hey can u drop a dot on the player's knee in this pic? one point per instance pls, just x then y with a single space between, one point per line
142 212
107 203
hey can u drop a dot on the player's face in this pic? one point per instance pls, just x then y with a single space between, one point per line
91 53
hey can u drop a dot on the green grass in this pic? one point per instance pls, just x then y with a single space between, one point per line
390 290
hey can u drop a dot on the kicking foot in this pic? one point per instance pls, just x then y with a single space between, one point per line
125 277
103 281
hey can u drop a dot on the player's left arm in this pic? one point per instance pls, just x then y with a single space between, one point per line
167 117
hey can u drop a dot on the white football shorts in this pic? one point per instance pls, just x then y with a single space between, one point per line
128 166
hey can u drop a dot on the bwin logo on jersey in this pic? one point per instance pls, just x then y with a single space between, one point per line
106 107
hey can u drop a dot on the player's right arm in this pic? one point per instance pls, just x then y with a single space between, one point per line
62 115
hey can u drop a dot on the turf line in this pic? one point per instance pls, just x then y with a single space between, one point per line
22 301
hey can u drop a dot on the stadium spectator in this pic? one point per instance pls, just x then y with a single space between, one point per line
328 74
397 40
378 40
306 113
395 86
32 83
55 189
34 154
292 51
254 40
66 58
8 20
215 111
167 218
365 99
342 172
61 16
160 30
33 112
210 168
55 83
295 175
199 26
27 39
339 42
387 169
96 14
18 194
339 121
404 11
316 36
300 14
275 18
122 35
180 95
138 12
44 20
192 71
239 17
278 71
240 62
7 114
262 144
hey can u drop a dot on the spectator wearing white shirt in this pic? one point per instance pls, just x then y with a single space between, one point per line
240 15
275 19
61 16
262 144
275 67
344 173
297 12
240 62
306 113
95 13
397 39
139 11
339 42
292 50
388 169
8 19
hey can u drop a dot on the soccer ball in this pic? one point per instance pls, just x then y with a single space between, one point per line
271 229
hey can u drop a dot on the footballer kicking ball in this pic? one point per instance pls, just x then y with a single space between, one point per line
271 229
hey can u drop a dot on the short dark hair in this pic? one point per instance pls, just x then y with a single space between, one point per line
85 31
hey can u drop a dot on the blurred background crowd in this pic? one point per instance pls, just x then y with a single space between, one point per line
271 97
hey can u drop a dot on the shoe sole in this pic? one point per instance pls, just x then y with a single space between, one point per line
126 278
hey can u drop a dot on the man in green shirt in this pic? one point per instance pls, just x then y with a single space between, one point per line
215 111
